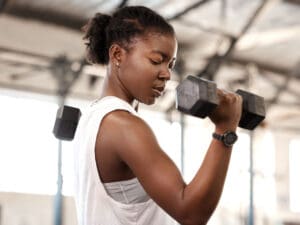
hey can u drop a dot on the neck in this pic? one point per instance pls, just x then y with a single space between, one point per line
112 86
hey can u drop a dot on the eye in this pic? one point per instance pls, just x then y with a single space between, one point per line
155 62
172 65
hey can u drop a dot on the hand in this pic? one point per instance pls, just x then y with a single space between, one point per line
228 113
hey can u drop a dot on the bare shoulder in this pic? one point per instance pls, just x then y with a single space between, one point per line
113 144
124 123
130 137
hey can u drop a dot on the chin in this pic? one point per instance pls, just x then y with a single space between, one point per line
149 101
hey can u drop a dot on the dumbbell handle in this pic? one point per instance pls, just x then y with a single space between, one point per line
253 110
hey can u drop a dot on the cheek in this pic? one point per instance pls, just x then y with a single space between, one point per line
140 72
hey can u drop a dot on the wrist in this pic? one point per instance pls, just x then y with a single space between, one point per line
228 138
220 129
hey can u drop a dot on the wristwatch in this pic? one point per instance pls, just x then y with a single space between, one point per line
228 138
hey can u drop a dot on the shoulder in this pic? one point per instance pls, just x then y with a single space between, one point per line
126 132
125 126
125 120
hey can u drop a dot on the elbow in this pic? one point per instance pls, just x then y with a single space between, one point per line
198 216
193 221
195 210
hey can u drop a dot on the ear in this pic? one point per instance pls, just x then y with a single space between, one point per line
116 53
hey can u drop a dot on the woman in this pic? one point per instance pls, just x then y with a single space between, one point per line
122 174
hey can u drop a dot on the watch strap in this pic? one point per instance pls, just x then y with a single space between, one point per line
218 136
228 138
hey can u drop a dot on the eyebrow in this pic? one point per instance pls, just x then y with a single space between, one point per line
164 55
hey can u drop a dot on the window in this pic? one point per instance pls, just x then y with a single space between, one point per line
294 168
27 149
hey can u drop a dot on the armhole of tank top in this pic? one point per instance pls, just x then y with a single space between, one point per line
95 174
96 127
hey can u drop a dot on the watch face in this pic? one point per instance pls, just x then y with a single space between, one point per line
230 138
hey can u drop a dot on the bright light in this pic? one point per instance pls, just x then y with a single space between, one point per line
294 166
28 149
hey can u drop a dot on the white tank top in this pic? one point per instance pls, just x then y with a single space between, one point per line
94 206
126 191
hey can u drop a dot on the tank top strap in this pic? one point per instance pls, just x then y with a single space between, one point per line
111 103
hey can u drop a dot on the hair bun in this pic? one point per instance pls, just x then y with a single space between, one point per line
96 38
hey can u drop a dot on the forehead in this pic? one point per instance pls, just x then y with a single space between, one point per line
153 41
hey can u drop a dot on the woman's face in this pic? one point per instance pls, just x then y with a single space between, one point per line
147 65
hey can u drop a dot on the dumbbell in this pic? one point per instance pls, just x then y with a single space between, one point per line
198 97
66 122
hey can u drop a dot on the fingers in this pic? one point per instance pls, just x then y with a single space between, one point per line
228 96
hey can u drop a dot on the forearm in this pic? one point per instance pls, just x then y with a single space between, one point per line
202 194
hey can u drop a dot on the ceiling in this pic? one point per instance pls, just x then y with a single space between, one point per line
253 45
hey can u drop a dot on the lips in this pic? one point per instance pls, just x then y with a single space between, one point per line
158 90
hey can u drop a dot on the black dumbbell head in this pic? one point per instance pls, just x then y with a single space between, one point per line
66 122
196 96
253 110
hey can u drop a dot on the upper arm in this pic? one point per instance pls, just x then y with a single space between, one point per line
136 145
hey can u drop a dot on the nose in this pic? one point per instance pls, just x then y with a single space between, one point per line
165 74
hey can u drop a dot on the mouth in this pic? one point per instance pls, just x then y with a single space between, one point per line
158 91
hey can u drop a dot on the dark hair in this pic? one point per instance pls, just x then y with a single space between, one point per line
103 30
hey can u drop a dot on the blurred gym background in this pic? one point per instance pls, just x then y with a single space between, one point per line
253 45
